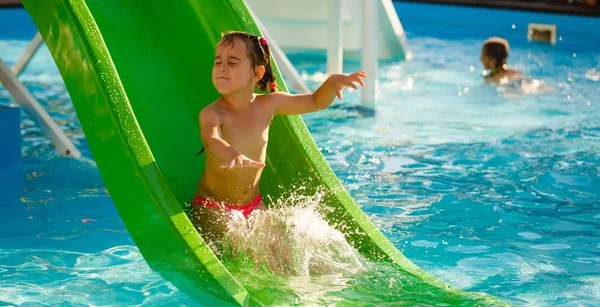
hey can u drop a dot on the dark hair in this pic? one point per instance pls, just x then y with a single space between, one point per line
496 50
259 54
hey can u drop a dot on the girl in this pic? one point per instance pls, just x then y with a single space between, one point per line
235 128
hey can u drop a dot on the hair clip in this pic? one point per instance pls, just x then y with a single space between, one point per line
263 40
273 85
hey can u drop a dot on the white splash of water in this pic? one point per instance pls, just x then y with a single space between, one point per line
593 74
291 240
517 88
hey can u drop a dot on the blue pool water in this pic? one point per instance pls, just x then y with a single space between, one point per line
488 189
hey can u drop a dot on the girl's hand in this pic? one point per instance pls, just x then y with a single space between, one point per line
339 81
242 161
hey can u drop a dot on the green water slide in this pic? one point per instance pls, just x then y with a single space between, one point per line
138 73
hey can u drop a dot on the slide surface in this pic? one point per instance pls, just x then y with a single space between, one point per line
138 73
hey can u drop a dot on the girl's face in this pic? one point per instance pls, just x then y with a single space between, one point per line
232 70
488 62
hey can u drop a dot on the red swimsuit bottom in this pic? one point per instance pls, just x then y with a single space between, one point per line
245 209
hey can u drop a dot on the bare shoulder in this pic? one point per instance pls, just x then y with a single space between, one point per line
514 73
270 97
270 100
503 77
511 75
211 111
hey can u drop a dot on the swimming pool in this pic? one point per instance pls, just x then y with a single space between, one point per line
490 193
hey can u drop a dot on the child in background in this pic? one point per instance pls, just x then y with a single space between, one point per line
494 57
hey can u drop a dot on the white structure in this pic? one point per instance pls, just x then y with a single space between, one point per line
287 69
541 33
335 46
8 77
304 25
337 27
32 48
369 59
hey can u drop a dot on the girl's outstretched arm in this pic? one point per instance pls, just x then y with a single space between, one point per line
322 98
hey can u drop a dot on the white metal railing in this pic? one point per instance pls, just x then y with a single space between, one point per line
287 69
26 101
370 57
335 47
33 46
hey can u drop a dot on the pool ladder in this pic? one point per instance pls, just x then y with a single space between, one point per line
24 98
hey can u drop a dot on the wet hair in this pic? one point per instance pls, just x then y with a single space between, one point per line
496 48
258 53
